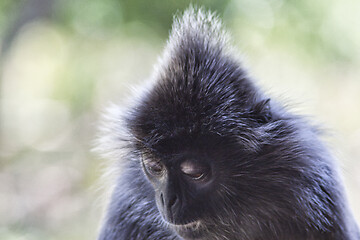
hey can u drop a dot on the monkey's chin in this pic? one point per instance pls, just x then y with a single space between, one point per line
189 231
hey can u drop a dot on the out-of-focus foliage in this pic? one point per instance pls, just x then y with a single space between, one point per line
156 14
5 7
63 61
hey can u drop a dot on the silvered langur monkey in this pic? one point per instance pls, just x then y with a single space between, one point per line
206 155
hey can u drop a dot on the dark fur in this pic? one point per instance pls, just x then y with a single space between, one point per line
274 177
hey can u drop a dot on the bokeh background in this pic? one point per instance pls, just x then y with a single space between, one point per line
63 61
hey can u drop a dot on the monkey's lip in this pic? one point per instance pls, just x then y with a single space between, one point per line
187 226
193 230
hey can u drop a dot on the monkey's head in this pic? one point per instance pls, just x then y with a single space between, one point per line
202 132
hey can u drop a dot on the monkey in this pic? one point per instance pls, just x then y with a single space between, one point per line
205 154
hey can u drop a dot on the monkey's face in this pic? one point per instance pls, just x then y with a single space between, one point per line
188 176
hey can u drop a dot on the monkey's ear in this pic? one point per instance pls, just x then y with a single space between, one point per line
261 111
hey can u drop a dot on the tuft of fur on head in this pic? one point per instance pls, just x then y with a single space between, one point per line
194 24
199 81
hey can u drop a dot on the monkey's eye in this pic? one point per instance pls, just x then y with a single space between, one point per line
193 170
153 167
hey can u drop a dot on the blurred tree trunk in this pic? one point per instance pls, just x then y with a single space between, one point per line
27 12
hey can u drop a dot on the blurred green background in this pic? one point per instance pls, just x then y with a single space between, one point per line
62 62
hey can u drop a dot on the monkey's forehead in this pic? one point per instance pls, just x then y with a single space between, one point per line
190 119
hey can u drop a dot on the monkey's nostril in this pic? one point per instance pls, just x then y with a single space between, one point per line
162 199
172 201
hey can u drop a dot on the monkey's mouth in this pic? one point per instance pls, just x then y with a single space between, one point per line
193 230
186 227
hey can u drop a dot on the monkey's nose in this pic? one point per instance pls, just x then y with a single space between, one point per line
171 202
172 208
